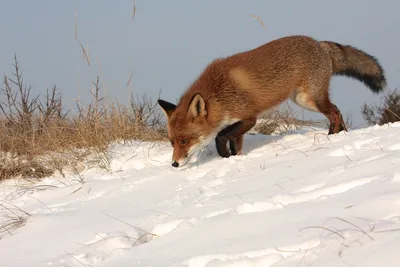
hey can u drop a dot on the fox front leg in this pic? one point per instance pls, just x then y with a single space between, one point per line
234 134
222 150
236 145
221 145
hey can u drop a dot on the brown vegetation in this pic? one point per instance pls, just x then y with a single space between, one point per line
38 136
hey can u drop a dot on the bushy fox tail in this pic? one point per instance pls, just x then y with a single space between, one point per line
352 62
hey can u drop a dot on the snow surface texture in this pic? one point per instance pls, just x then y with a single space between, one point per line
303 199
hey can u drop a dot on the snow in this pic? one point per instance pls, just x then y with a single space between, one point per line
301 199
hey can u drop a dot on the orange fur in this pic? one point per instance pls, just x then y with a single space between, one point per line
239 87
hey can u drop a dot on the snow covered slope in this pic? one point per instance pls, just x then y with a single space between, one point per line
304 199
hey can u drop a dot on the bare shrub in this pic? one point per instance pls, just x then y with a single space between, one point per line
387 111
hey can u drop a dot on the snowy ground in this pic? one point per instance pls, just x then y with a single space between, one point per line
303 199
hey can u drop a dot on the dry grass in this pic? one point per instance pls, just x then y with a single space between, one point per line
280 120
38 137
285 119
11 217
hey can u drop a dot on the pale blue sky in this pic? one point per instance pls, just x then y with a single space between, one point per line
170 42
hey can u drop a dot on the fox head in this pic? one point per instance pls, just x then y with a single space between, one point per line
188 129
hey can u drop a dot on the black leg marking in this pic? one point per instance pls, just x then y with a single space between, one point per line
223 137
230 133
222 150
231 130
232 147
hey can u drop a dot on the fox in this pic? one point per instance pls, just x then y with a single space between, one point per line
225 100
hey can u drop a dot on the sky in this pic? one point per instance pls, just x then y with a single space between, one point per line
169 43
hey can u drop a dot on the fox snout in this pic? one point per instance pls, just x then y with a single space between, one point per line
175 164
183 149
188 129
179 155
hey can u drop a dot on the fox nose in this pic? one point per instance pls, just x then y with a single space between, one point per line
175 164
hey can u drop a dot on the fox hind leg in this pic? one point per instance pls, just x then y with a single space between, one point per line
326 107
337 124
331 111
316 98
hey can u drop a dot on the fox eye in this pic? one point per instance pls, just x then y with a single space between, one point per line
184 141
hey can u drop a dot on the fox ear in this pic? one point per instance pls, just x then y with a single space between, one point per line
197 106
167 107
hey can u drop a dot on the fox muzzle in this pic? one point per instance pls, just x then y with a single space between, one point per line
175 164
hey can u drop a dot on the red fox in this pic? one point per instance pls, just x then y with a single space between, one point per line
226 99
